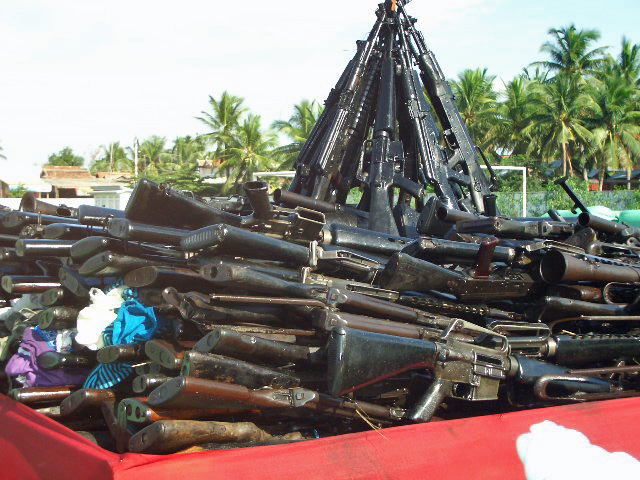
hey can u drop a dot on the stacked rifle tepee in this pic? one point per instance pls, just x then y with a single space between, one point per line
185 324
378 132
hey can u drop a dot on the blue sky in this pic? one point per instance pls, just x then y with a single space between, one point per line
84 73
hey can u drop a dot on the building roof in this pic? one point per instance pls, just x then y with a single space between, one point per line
56 172
117 176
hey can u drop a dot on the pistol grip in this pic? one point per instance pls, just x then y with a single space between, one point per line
424 410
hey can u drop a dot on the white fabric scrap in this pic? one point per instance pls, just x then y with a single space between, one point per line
101 313
552 452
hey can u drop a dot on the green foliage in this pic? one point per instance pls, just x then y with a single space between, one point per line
65 158
18 191
297 129
111 158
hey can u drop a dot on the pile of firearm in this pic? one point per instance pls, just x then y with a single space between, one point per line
298 317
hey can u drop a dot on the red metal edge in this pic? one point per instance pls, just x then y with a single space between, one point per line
33 446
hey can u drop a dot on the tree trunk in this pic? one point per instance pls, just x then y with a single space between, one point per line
603 168
564 159
566 148
628 175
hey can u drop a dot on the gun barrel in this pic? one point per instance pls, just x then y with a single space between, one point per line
296 200
41 247
586 219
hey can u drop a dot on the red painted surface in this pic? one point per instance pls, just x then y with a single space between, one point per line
34 447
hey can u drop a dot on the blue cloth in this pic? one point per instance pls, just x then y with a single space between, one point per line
135 324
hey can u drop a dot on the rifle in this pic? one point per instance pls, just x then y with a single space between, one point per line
32 395
386 154
164 276
168 354
126 229
577 292
363 239
227 342
447 251
433 163
167 436
557 266
53 360
504 227
187 392
90 246
22 284
30 203
224 369
57 318
619 230
85 399
404 272
97 216
108 264
332 140
198 309
148 381
558 307
460 370
463 161
233 241
121 353
137 411
71 231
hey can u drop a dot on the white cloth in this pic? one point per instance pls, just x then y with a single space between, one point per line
101 313
552 452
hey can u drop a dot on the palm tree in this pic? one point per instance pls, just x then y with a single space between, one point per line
615 123
111 158
2 155
558 116
223 121
512 130
152 153
569 52
249 152
629 62
297 128
476 101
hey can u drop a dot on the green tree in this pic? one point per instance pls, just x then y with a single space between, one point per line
297 129
476 101
151 154
223 121
570 52
512 130
250 151
628 63
559 117
65 157
111 158
615 123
